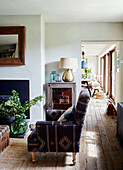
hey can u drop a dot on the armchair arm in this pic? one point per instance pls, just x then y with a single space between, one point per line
33 142
58 136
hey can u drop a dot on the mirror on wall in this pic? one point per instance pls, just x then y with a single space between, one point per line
9 46
12 45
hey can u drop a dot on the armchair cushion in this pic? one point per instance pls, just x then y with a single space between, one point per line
81 106
68 115
53 115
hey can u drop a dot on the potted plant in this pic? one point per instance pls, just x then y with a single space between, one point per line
14 108
86 72
89 73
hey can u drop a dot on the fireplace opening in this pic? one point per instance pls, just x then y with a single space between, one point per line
21 86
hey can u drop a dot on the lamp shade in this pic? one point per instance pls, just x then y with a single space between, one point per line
68 63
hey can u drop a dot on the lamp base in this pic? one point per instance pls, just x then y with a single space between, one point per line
68 76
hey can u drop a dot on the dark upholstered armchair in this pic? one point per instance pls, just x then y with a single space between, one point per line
55 136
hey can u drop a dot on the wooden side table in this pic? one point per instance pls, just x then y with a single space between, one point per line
85 83
97 88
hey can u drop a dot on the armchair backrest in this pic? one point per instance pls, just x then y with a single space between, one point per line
81 106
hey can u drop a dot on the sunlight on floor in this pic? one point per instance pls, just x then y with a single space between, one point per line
90 142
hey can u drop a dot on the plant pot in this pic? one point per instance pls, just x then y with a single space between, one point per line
18 126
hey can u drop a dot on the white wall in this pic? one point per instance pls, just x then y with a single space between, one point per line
43 92
64 39
93 64
32 69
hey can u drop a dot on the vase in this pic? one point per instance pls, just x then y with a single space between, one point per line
18 126
53 76
58 78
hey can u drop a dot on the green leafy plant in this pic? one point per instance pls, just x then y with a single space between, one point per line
13 106
89 71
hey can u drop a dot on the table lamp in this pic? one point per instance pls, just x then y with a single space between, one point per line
68 64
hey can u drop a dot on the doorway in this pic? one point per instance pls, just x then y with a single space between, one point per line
101 59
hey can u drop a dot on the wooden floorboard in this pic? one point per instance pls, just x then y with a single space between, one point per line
99 149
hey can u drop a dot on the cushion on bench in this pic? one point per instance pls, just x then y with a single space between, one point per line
4 137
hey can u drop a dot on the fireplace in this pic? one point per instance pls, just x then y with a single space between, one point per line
21 86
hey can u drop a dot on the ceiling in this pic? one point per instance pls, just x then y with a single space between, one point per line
96 48
67 10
